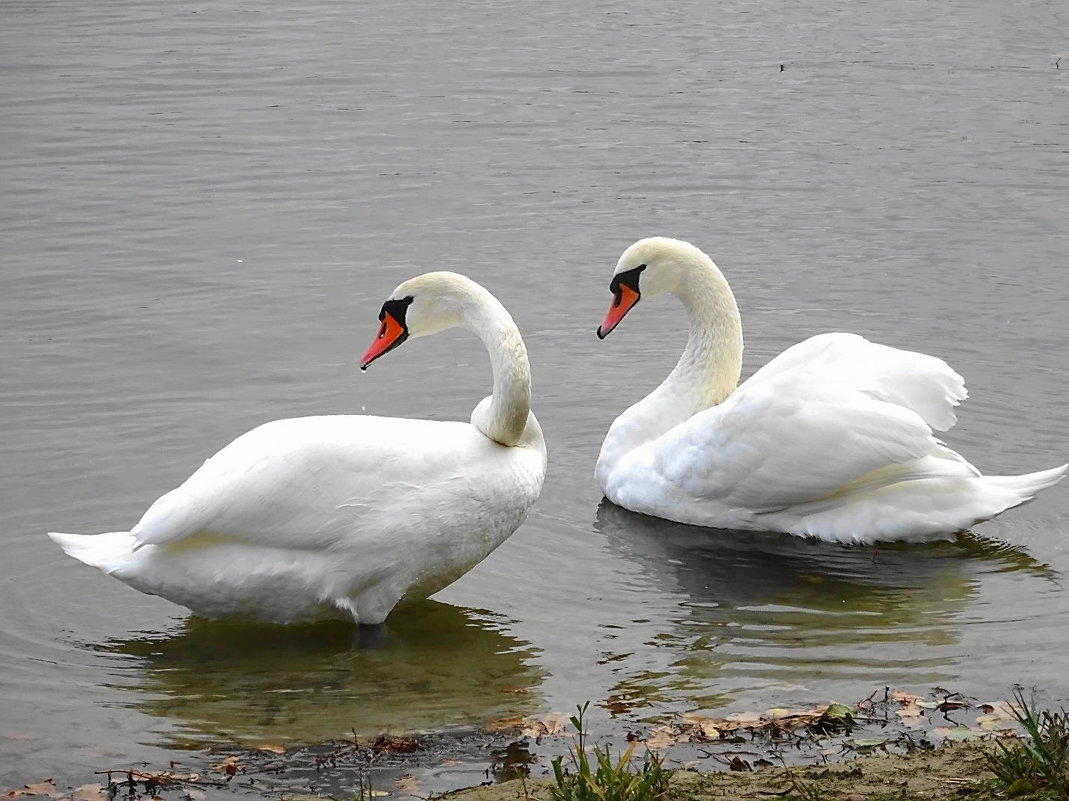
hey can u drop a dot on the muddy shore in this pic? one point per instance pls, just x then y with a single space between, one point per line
889 745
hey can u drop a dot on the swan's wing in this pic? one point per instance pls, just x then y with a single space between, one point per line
323 482
823 415
919 382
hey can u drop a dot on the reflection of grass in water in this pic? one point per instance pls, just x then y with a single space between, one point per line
429 666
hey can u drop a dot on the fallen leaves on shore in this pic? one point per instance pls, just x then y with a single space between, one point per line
408 784
43 787
773 724
882 720
229 766
548 726
391 744
47 787
889 721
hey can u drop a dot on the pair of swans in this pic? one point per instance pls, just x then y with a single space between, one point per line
348 515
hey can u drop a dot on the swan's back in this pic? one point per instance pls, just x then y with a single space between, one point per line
265 486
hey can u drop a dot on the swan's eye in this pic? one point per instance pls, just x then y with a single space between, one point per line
396 309
628 278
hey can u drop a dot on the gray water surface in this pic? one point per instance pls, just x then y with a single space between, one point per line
204 205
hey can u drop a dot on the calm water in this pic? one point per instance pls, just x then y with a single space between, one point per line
204 204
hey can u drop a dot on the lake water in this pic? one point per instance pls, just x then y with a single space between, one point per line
204 205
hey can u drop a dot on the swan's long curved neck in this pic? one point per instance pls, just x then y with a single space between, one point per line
705 375
709 369
505 419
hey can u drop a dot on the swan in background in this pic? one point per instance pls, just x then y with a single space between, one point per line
346 515
831 439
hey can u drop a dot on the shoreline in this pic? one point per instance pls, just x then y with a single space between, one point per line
938 742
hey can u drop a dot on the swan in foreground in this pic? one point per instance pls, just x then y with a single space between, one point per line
831 439
346 515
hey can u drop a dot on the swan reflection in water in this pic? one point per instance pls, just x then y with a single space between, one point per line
759 610
429 666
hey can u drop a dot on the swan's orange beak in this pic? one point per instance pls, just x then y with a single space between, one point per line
391 334
625 298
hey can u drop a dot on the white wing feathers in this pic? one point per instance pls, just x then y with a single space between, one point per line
924 384
823 415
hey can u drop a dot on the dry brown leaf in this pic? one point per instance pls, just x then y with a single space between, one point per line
739 764
709 728
514 723
407 783
394 744
739 720
43 787
993 723
911 712
165 776
229 765
89 792
906 698
809 715
271 749
911 716
661 737
1001 709
550 726
792 718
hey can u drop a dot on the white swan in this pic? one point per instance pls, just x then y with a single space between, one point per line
346 515
831 439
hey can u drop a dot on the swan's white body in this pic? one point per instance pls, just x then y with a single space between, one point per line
345 515
831 439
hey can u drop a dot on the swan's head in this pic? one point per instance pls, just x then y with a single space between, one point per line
422 305
647 268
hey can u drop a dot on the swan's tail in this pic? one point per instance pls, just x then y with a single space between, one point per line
1019 489
984 497
920 508
108 551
